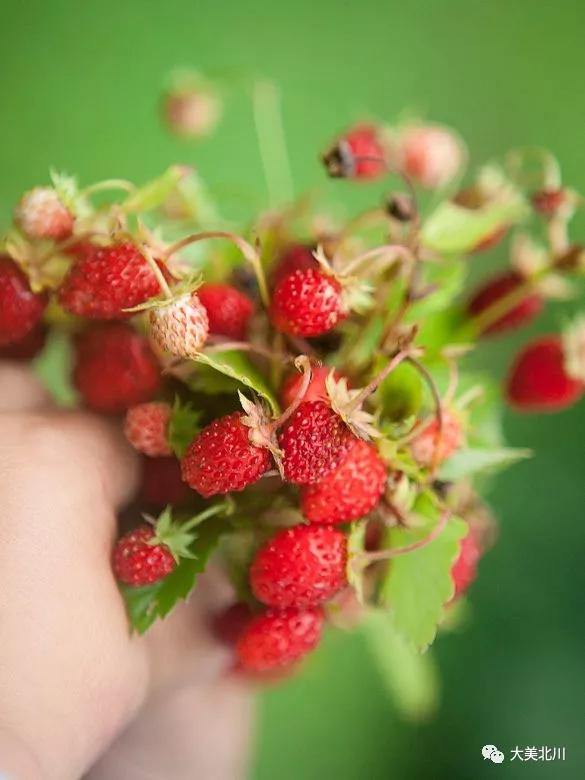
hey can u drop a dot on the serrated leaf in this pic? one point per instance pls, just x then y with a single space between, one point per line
470 461
452 229
410 678
53 367
355 546
237 366
154 193
418 584
147 604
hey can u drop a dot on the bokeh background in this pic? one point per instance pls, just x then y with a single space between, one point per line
78 90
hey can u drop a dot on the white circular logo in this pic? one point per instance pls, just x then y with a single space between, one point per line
492 753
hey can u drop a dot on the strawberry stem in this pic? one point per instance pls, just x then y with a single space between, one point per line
367 558
272 142
216 345
249 252
304 364
438 406
108 184
160 277
390 252
377 380
222 508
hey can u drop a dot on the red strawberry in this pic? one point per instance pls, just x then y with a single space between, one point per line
424 446
349 492
180 326
146 428
140 560
464 570
40 214
296 257
316 391
313 442
27 347
114 368
278 638
495 290
549 201
162 483
105 280
146 554
301 566
20 308
222 458
307 303
228 310
538 380
358 154
429 154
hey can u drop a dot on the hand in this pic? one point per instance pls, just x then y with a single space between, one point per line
76 690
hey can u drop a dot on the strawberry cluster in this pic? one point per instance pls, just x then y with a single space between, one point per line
301 398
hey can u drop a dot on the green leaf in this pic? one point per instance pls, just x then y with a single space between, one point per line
410 678
362 341
183 427
147 604
401 394
448 279
237 366
418 584
452 229
53 367
356 545
153 194
474 460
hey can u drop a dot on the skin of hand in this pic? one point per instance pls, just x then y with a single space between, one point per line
80 696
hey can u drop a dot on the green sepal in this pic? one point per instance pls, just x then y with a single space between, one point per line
183 427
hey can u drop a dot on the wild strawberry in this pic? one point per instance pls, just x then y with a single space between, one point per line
114 368
300 567
27 347
316 390
349 492
227 626
307 303
191 112
228 310
162 483
296 257
358 154
222 457
278 638
539 378
495 290
431 447
429 154
146 428
180 326
464 570
148 554
313 442
105 280
549 201
20 308
40 214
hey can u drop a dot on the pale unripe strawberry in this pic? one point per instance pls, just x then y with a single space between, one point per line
191 113
429 154
41 214
180 326
146 428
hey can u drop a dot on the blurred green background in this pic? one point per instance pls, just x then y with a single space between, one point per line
78 89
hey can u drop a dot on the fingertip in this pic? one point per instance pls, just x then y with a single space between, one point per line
20 389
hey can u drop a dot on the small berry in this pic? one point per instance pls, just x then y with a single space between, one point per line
316 391
106 280
138 562
27 347
277 639
307 303
146 428
313 442
20 308
433 448
301 566
114 368
464 570
180 326
222 458
296 257
40 214
349 492
191 113
228 310
495 290
538 380
162 483
429 154
549 201
358 154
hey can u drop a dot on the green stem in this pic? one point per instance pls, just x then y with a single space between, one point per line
108 184
272 143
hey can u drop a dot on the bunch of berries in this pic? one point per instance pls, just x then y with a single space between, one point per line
306 412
